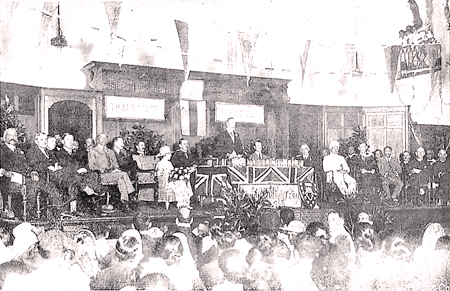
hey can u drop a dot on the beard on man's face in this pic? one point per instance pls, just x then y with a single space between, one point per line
11 141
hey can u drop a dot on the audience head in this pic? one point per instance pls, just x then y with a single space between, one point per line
420 153
141 222
334 147
171 250
363 148
76 146
10 136
432 233
140 146
319 230
51 143
443 243
155 282
231 124
286 215
68 141
54 244
364 237
270 220
40 139
351 150
89 143
118 142
184 218
24 238
304 148
442 155
233 265
129 245
406 156
183 144
430 154
102 139
258 146
335 221
396 248
378 154
165 152
5 236
307 247
388 151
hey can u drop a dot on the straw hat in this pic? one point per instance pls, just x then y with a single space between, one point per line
295 226
164 150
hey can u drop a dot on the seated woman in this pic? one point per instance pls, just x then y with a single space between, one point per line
338 166
171 189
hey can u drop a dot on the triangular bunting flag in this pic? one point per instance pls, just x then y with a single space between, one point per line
183 36
113 13
46 18
248 42
304 59
391 53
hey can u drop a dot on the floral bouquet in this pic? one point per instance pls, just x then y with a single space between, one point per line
181 173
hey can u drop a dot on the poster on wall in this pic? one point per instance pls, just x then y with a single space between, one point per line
134 108
241 113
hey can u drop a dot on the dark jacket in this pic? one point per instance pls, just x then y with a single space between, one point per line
225 145
39 162
182 159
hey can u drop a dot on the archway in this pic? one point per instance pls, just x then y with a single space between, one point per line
70 116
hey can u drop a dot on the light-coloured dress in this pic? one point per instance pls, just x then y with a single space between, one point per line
172 190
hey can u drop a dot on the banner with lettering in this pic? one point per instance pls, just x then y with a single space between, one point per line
134 108
241 113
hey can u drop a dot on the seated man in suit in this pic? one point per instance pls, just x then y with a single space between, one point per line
441 174
75 177
419 175
228 143
305 158
125 161
104 161
258 155
390 171
13 161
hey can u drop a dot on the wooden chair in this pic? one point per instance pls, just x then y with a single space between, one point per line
145 177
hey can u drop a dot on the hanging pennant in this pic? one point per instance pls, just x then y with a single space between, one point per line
47 16
391 54
248 42
304 59
183 36
113 13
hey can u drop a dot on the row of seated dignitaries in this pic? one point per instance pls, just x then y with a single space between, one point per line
57 175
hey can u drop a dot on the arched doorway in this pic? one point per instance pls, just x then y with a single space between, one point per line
70 116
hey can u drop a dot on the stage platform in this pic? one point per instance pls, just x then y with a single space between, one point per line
408 220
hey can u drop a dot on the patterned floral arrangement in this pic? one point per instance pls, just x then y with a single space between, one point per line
181 173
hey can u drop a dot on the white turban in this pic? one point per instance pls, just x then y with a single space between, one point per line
334 144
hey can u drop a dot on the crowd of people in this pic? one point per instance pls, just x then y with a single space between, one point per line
209 254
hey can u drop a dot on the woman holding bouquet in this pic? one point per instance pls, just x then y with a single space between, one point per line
172 183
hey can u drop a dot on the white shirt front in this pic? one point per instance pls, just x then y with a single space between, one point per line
334 162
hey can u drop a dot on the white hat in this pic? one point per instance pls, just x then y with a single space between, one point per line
333 144
295 226
24 237
164 150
